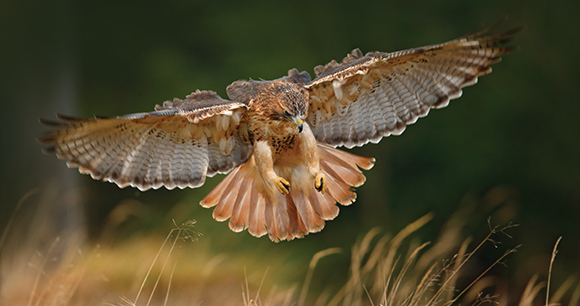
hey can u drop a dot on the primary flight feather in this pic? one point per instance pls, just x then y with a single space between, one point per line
277 139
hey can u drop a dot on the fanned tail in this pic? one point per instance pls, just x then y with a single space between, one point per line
242 198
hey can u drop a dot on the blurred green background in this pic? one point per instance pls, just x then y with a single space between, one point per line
510 146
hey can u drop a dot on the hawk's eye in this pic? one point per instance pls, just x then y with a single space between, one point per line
287 113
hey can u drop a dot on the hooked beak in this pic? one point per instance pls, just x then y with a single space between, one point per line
300 124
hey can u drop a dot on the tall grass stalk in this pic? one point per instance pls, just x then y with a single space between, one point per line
384 270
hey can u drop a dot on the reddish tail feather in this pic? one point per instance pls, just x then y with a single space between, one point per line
242 198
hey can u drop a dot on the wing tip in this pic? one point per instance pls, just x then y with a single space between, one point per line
484 31
48 150
52 123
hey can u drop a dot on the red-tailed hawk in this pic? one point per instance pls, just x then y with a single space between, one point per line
277 139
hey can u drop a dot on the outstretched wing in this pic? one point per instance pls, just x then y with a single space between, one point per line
366 98
177 145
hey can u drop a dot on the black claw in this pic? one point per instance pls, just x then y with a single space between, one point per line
319 188
286 186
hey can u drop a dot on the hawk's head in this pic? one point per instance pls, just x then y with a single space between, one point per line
275 100
290 103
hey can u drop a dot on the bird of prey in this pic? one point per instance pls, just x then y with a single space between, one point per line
278 139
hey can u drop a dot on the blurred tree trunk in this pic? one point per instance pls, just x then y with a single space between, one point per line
39 78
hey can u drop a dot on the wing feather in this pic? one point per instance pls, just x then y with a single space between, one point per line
365 98
177 145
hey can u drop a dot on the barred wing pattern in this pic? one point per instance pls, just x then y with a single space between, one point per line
366 98
177 145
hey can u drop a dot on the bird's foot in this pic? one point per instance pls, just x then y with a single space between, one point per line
320 182
282 185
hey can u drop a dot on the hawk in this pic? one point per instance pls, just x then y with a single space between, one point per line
278 139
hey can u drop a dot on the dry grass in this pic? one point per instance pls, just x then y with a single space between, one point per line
178 270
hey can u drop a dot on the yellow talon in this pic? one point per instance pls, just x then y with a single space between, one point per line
282 185
320 183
